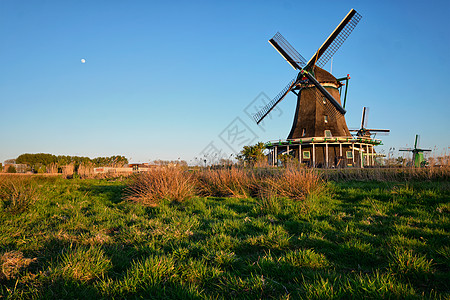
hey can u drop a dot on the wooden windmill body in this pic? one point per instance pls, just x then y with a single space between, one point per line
319 136
311 117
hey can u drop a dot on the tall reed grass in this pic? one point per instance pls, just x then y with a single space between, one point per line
17 193
292 183
68 170
232 182
148 188
388 174
86 170
52 168
178 184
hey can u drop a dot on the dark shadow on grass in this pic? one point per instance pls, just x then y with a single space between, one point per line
122 257
69 289
163 290
244 206
51 249
113 193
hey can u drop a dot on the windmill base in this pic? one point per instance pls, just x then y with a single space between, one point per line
320 152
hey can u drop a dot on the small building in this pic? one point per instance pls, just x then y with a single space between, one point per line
20 168
129 169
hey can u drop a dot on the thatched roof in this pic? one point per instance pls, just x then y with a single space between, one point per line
323 76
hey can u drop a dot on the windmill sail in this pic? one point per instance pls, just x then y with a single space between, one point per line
417 142
335 40
379 130
332 107
364 117
287 51
364 131
259 116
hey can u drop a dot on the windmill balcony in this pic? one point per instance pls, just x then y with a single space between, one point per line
326 152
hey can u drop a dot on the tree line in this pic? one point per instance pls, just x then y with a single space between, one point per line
42 160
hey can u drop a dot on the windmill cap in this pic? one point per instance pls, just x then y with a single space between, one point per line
323 76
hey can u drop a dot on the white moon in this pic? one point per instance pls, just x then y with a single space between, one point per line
83 60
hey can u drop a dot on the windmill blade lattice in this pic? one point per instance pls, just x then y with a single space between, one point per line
335 40
377 132
295 59
260 115
332 107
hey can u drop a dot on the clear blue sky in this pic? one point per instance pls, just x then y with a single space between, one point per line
163 79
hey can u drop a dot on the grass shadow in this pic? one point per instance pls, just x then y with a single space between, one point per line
112 193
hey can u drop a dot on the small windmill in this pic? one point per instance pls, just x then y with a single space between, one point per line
363 131
418 158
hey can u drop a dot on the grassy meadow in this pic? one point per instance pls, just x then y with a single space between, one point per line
226 234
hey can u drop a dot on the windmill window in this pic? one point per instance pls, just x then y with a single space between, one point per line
303 131
328 134
325 118
324 101
306 155
349 155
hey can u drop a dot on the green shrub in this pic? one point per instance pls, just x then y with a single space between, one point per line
41 170
12 169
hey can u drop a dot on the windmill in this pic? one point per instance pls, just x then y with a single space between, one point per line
307 79
363 131
319 116
417 152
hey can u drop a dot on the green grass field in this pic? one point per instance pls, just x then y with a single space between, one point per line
79 239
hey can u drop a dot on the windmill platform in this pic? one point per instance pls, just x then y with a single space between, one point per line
326 152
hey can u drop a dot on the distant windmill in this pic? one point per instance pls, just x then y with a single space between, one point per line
417 152
363 131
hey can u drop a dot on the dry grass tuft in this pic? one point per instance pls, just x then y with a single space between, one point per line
173 184
12 263
52 168
225 183
389 174
86 170
176 184
68 170
291 183
17 193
